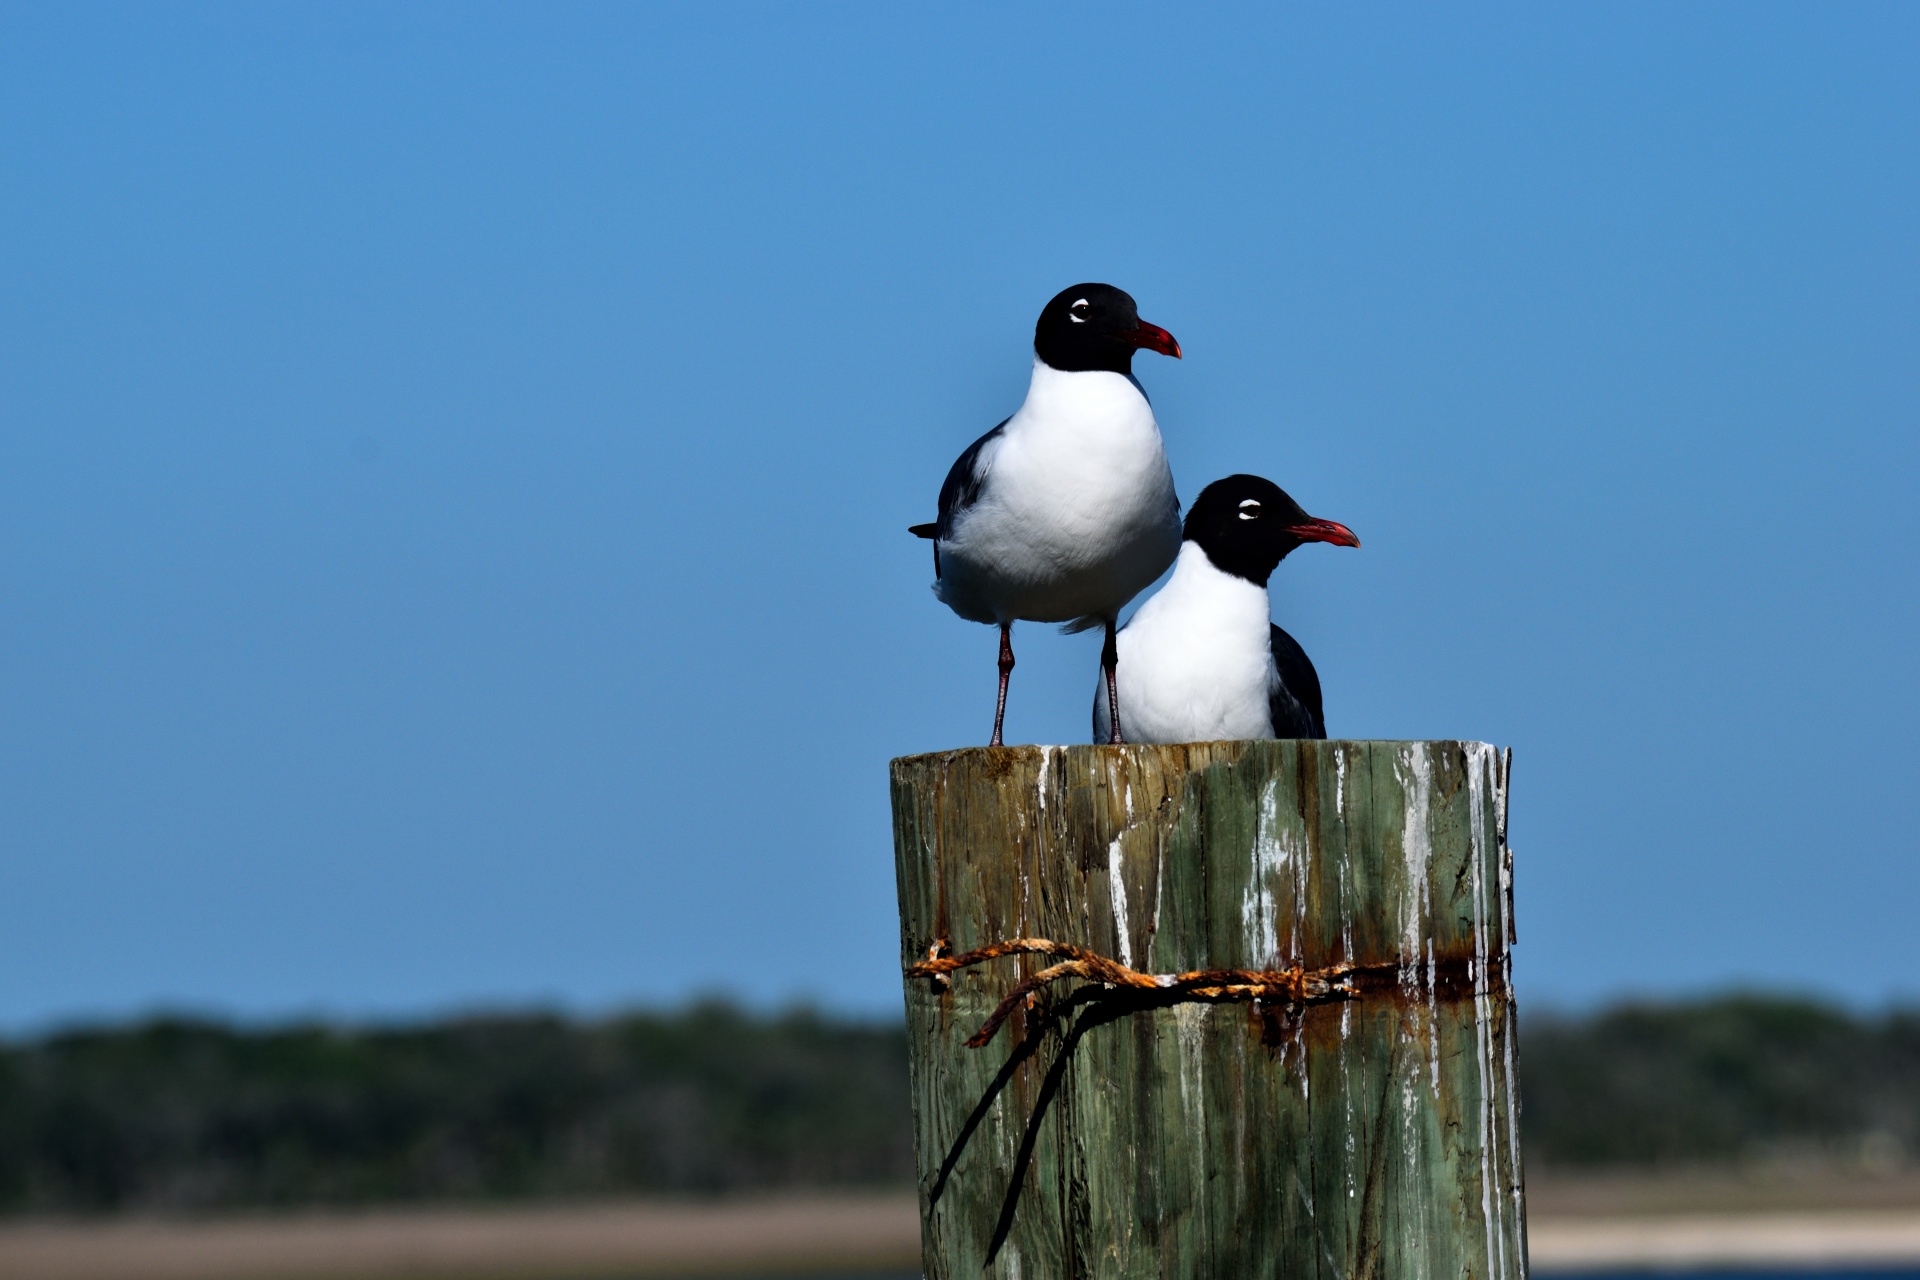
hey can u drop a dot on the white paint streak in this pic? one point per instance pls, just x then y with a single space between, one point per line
1433 1020
1413 768
1500 764
1159 889
1410 1141
1492 1206
1117 888
1273 855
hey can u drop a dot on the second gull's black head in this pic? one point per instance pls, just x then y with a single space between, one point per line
1247 526
1096 326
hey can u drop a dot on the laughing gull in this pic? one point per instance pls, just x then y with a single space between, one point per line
1066 510
1201 660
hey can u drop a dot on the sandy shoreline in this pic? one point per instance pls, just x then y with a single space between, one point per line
815 1233
1583 1229
1884 1238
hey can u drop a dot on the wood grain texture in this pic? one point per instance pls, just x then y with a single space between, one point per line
1376 1137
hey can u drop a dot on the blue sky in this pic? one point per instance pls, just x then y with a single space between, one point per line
454 464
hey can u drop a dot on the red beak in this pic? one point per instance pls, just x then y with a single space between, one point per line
1324 531
1153 338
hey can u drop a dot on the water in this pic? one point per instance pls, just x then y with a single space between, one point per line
839 1275
1714 1273
1902 1273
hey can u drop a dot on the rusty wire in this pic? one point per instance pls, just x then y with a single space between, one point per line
1295 986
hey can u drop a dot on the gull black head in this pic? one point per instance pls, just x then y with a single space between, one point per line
1096 326
1247 526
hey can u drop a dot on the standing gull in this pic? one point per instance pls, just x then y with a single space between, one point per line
1066 510
1202 660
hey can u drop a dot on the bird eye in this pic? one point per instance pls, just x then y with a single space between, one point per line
1078 312
1249 510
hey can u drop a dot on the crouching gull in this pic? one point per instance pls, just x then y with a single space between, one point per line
1066 510
1202 660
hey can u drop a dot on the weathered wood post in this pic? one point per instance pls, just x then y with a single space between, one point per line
1342 1107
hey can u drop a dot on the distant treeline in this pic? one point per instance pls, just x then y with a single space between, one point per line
1720 1081
189 1115
185 1114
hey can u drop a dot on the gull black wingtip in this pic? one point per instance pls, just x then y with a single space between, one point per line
924 530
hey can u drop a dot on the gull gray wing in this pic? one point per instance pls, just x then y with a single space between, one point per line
966 479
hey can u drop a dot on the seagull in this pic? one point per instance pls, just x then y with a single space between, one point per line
1201 660
1066 510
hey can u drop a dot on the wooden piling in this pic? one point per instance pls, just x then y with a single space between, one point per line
1363 1127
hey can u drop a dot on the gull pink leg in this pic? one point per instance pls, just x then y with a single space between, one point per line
1110 663
1006 669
